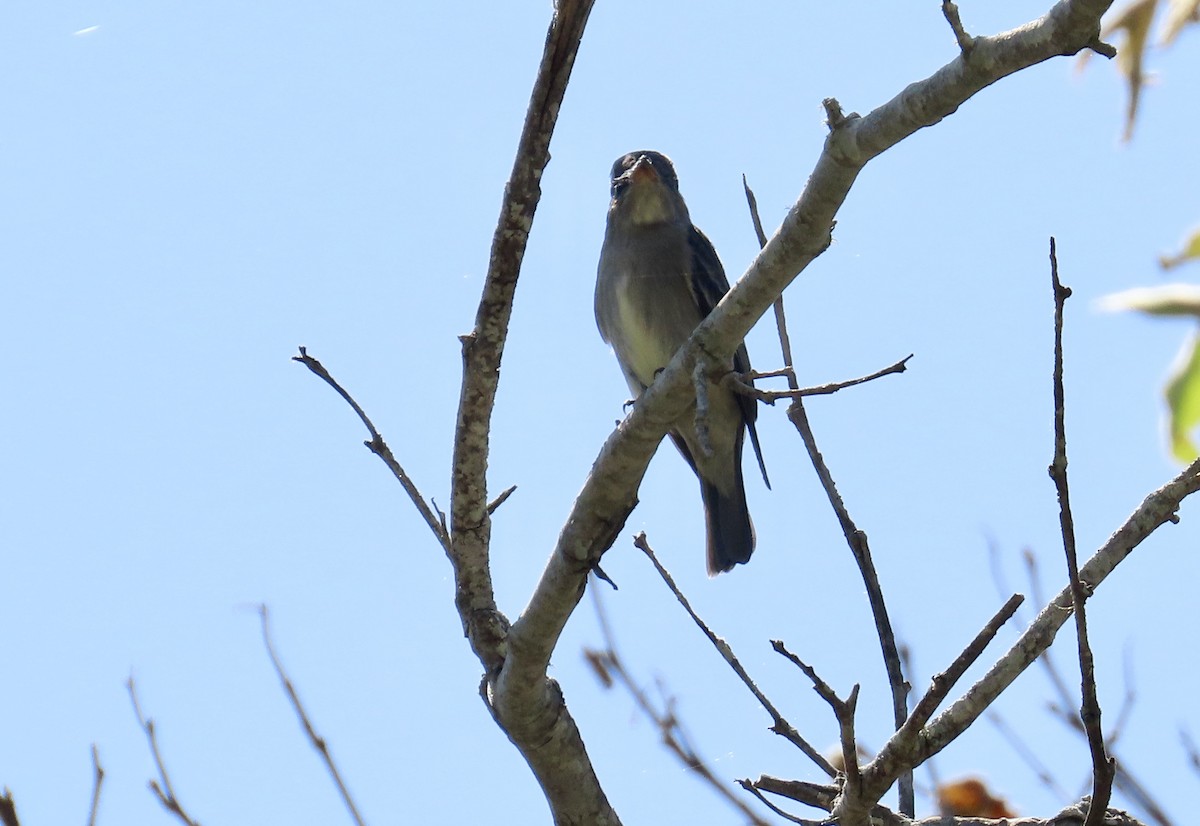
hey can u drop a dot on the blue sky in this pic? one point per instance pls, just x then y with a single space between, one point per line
190 192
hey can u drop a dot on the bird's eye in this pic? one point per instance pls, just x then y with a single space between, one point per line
619 185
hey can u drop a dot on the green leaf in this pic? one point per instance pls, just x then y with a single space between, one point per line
1183 400
1189 250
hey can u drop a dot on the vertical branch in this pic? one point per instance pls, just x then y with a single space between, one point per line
856 538
1103 766
785 343
527 705
483 347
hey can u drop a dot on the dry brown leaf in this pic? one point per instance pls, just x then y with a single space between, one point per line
970 798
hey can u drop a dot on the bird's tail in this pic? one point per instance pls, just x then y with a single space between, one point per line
730 533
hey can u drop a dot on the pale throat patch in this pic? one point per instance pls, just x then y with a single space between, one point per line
650 206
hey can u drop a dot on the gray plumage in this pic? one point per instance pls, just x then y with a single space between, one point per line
658 278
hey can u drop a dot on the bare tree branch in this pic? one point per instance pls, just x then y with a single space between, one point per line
780 725
850 807
8 809
97 781
772 396
860 548
318 742
965 41
606 499
607 496
379 447
164 791
785 343
1027 754
610 668
942 683
524 701
1102 764
825 797
1157 509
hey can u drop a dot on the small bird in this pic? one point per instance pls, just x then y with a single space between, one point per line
658 278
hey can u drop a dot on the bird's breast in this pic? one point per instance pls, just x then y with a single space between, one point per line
653 314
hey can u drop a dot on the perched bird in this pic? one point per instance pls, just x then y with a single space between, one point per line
658 278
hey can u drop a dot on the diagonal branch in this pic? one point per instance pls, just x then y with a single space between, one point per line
380 448
779 725
610 668
164 791
902 752
318 742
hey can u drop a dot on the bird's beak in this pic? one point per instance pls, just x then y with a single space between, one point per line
643 171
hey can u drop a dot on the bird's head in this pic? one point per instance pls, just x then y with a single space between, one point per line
645 190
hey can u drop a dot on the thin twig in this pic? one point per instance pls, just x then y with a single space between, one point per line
318 742
780 725
495 503
8 809
899 755
1049 663
379 447
785 344
164 791
966 43
610 669
1189 748
1123 780
825 797
749 786
1102 764
772 396
1027 754
858 544
97 781
942 683
860 548
843 712
1127 704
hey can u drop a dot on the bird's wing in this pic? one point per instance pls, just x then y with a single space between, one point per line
709 285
